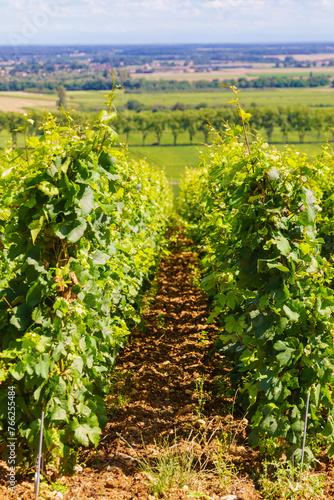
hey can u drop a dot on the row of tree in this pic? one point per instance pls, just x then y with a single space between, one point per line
298 119
104 81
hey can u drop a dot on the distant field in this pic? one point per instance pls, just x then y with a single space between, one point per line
295 72
95 100
22 101
92 101
175 159
172 159
242 71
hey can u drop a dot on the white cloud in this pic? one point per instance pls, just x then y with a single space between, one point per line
168 20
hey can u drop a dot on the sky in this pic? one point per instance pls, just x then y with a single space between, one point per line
165 21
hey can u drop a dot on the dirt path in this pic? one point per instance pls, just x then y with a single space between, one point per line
169 407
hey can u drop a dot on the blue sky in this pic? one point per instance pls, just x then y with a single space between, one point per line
165 21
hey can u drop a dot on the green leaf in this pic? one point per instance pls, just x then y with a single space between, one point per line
21 317
85 434
42 367
298 426
86 201
48 188
99 257
232 299
35 228
278 266
72 232
58 414
77 232
269 425
252 393
108 162
280 346
285 357
329 427
293 316
233 325
330 450
282 244
104 116
78 364
18 371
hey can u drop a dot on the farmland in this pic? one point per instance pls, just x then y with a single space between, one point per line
175 345
92 101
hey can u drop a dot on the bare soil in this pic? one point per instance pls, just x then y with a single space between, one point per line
158 399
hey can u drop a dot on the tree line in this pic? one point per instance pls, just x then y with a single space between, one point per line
104 81
286 119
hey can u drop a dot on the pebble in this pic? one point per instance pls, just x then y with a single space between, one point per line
78 468
58 495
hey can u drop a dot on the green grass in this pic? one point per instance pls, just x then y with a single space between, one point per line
309 149
94 100
305 73
172 159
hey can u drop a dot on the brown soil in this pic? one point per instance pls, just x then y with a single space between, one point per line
157 405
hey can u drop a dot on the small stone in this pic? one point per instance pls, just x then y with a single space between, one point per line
188 391
185 487
201 422
78 468
59 495
109 484
133 429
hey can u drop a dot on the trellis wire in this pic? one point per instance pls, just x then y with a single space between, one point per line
39 459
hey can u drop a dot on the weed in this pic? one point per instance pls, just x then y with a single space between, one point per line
204 338
119 387
225 469
282 480
161 321
200 396
188 464
47 486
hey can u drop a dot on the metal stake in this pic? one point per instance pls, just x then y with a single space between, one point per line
39 458
304 437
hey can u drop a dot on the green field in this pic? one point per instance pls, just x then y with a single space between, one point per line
304 73
95 100
175 159
172 159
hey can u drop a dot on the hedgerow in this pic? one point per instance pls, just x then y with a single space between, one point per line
82 228
269 283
